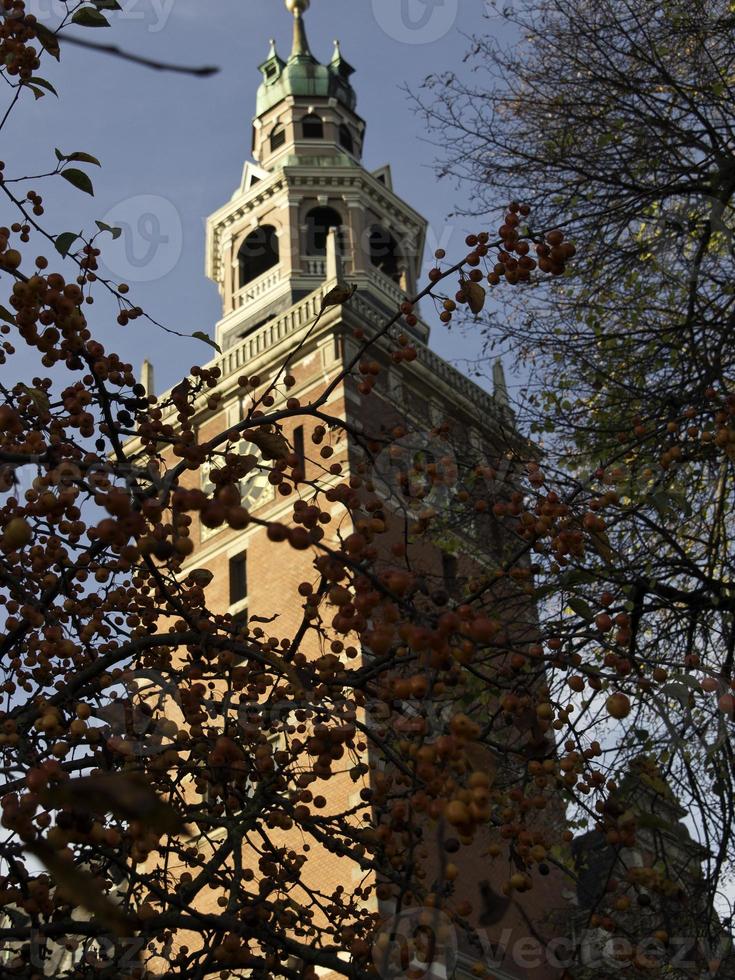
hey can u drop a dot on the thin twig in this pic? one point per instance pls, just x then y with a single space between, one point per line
116 52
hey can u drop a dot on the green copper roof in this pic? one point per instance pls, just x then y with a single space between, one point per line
302 76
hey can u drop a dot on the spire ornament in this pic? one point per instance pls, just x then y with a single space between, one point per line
300 43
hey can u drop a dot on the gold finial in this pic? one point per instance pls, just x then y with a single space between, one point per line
300 44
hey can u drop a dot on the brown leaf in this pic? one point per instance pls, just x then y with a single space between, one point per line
126 796
271 444
476 295
341 293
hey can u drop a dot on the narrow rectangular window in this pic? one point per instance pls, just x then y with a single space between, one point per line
238 578
298 447
450 569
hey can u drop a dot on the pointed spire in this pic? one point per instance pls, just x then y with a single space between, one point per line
146 377
338 65
273 65
500 387
300 43
334 269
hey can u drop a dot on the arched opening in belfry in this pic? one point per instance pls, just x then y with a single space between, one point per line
312 128
318 223
278 138
258 253
345 139
384 253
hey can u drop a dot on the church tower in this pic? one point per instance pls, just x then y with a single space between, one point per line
307 216
306 210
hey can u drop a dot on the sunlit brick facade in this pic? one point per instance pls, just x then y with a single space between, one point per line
306 216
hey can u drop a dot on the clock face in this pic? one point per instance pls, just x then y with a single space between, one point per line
254 486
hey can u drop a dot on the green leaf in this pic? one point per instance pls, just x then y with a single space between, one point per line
677 690
48 40
38 93
200 335
64 242
115 232
6 315
38 397
89 17
42 83
80 157
79 179
107 4
545 590
580 607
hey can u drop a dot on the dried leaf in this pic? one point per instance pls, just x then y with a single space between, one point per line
340 294
476 296
38 397
123 795
271 444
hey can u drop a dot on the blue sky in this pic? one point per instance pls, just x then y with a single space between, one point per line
174 146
